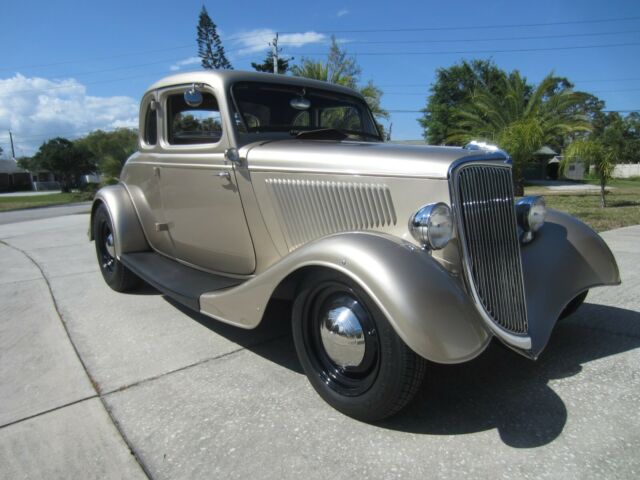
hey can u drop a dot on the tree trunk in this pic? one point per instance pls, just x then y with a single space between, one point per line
518 186
603 201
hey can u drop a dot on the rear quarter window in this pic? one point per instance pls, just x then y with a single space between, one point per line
188 125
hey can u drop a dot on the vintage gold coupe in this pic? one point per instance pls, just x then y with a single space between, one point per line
248 187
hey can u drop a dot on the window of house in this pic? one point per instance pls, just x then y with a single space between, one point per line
193 125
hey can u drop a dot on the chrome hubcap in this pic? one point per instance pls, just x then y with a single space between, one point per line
342 337
108 243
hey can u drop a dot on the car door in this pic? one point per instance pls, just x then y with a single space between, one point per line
200 197
141 176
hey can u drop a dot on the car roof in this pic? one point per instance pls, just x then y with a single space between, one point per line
224 78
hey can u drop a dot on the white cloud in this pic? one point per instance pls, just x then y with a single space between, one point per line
36 109
183 63
258 40
342 13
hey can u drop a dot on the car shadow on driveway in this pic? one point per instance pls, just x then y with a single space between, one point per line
275 325
500 389
503 390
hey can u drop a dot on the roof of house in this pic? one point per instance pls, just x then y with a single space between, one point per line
10 166
546 151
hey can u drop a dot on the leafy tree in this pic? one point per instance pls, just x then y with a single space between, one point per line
596 153
622 134
342 69
110 150
631 149
1 150
64 159
267 64
519 119
454 86
210 48
27 163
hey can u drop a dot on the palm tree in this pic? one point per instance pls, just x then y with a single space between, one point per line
521 119
341 69
593 152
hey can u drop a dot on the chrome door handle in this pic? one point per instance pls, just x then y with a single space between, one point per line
223 174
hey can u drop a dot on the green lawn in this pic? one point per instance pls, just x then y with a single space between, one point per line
15 203
623 204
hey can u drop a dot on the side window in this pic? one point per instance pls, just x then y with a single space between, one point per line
150 125
193 125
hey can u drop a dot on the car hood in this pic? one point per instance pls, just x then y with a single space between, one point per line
356 158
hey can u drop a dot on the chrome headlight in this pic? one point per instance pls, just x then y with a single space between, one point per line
531 213
432 225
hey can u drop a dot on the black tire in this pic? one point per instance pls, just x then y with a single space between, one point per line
389 373
573 305
115 274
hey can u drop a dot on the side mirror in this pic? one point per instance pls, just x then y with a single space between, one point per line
232 155
193 97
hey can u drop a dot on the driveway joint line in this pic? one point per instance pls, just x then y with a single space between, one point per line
192 365
50 410
94 385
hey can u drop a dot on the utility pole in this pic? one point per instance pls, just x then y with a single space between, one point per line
13 152
274 46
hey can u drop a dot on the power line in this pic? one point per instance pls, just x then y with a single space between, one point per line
97 82
465 52
96 59
601 80
422 111
481 27
592 91
457 40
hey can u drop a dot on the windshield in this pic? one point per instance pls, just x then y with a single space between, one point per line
299 111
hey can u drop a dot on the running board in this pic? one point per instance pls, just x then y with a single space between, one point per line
177 281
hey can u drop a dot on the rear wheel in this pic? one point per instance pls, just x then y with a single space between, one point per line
115 274
349 351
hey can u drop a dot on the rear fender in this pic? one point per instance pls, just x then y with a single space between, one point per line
128 234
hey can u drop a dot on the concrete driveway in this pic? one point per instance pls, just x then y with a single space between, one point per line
95 384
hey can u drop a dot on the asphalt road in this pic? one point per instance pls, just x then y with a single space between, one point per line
95 384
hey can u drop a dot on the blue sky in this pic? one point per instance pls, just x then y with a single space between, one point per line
71 66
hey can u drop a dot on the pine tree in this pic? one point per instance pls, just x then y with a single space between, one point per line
210 48
267 64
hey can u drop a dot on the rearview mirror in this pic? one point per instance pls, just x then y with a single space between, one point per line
300 103
193 97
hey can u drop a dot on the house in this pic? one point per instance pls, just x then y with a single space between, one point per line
12 177
545 165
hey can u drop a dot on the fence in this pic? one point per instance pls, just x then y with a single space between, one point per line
626 170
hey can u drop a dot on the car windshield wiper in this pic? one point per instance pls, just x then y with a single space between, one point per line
332 134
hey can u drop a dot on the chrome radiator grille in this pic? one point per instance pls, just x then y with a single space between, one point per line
485 204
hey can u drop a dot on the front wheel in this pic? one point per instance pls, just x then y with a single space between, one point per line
574 305
115 274
349 351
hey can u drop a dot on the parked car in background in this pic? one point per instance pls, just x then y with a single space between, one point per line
249 187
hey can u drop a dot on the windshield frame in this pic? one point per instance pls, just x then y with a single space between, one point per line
241 129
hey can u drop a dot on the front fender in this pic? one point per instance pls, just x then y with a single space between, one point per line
424 303
565 258
128 234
